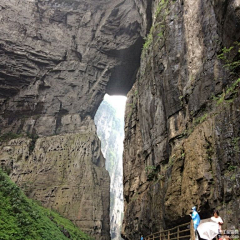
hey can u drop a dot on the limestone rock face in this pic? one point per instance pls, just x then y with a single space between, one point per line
59 58
182 121
66 173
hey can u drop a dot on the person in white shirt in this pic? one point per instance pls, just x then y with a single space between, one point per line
217 219
210 229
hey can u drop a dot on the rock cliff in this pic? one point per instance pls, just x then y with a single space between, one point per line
58 59
182 119
65 173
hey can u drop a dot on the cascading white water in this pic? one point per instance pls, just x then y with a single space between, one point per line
110 129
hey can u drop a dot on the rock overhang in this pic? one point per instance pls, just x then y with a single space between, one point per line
64 56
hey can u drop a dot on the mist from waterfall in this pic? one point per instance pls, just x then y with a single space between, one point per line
109 120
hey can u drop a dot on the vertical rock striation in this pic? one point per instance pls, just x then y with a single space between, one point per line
58 59
182 118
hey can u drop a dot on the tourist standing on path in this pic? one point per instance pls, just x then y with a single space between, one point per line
195 217
141 237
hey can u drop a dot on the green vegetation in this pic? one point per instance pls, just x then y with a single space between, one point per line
235 142
200 119
230 64
151 172
231 168
22 218
8 136
171 162
148 41
7 169
196 121
231 90
233 177
162 11
154 174
162 5
34 138
160 35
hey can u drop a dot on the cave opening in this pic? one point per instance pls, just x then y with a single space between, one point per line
109 120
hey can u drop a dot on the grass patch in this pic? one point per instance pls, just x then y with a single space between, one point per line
22 218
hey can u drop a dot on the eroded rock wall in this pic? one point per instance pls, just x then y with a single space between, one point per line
182 119
65 173
58 59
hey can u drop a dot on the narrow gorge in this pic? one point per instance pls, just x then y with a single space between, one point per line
178 63
109 120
